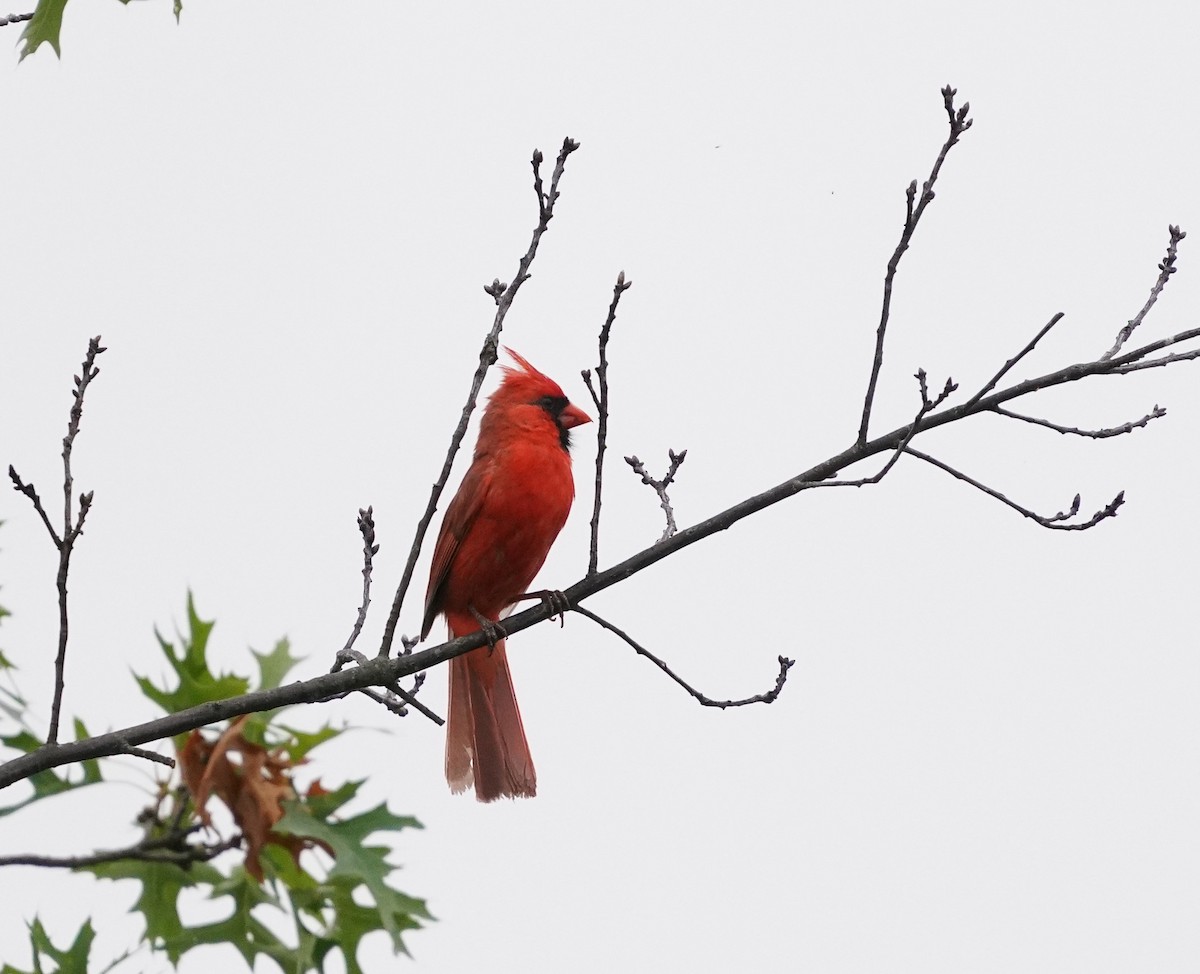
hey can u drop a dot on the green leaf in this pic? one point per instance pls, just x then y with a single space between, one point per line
299 743
275 665
158 900
49 782
356 863
44 28
241 928
197 683
73 960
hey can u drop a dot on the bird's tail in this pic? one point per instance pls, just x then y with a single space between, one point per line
485 740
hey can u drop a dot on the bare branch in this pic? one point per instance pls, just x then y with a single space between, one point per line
1055 522
959 123
769 696
172 848
660 487
991 383
929 405
1156 413
72 526
1165 270
15 19
503 295
28 490
601 401
366 527
141 752
1155 363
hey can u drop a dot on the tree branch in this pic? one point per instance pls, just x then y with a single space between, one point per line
660 486
601 401
503 295
770 696
172 848
1156 413
1055 522
72 527
1165 270
959 123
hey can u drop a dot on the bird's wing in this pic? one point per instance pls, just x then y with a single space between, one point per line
460 515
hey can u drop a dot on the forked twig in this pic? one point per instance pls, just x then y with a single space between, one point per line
72 525
1055 522
914 210
601 401
660 486
769 696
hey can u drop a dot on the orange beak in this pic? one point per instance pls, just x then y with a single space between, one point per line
572 415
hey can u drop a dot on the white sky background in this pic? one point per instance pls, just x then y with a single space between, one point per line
279 216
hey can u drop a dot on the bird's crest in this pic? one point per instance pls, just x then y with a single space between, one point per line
521 380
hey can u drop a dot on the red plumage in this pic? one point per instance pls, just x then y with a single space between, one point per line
494 538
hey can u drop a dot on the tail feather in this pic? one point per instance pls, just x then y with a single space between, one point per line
485 739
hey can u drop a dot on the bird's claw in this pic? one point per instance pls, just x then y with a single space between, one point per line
554 600
492 631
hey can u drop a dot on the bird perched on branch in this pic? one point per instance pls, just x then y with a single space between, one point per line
494 538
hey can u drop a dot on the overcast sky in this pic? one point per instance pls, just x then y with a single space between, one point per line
280 216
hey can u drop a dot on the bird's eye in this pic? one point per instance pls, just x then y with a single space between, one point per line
554 405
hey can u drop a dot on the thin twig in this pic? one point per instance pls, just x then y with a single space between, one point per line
601 401
503 295
1054 522
770 696
1004 370
959 123
15 19
1156 413
28 490
141 752
169 849
366 527
1165 270
72 526
1155 363
929 405
660 486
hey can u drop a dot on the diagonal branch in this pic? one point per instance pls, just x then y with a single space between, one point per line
1055 522
1004 370
1165 270
503 295
1156 413
959 123
601 401
769 696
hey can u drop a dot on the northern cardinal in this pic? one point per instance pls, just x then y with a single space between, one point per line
495 536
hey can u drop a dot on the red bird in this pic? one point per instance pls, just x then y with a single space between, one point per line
495 536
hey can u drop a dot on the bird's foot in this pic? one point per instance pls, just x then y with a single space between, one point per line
493 632
554 600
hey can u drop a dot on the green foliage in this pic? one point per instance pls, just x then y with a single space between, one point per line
319 900
313 857
197 684
44 28
50 782
73 960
